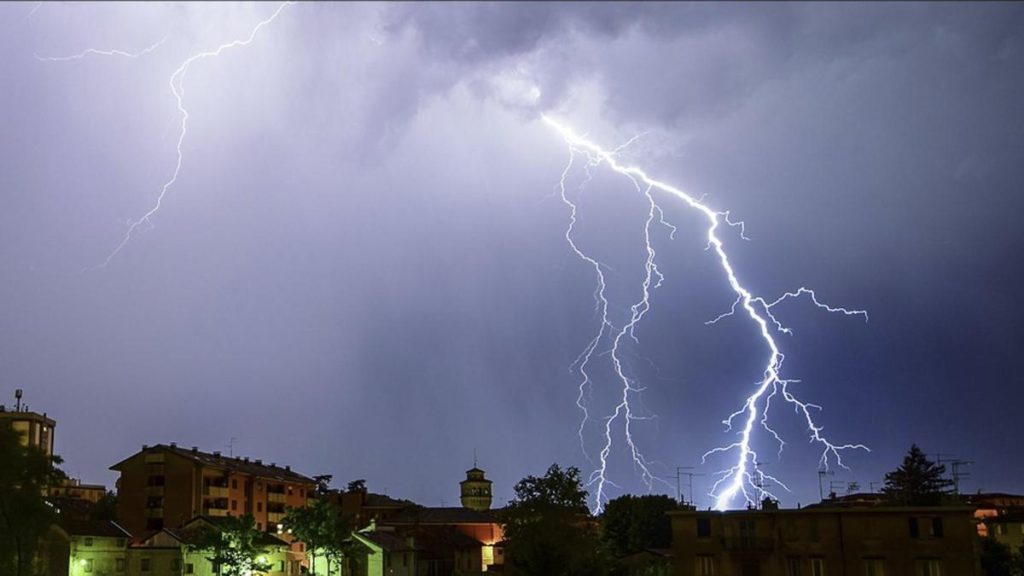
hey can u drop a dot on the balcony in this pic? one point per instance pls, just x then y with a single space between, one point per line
215 491
275 517
154 512
276 497
154 490
215 511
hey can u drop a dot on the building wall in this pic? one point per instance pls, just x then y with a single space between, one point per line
839 541
97 556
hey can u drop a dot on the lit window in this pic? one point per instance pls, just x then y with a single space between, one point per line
817 567
929 568
874 567
88 542
793 567
936 528
87 566
705 565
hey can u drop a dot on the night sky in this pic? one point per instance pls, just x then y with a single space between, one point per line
361 269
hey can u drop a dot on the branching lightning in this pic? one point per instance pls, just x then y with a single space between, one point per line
176 83
744 478
97 52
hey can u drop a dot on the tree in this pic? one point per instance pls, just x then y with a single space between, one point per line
232 546
636 523
105 508
356 486
998 560
548 528
322 528
25 515
918 481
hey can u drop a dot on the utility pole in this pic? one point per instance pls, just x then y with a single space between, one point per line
821 482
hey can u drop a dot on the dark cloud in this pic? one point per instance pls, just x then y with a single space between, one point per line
362 271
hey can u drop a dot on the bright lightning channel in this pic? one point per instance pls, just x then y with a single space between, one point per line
176 83
744 478
94 51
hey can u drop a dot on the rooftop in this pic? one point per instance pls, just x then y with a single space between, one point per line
227 463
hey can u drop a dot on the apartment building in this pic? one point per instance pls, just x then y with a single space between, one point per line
167 485
826 541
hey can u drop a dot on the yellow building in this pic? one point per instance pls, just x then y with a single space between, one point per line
826 541
73 489
85 548
35 429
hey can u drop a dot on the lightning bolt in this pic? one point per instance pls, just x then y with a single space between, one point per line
744 478
97 52
176 83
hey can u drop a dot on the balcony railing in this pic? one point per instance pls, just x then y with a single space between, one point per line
154 490
277 497
215 491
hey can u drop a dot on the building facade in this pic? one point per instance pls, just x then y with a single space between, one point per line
164 486
826 541
36 430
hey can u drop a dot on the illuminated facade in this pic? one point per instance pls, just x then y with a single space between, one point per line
822 541
36 430
476 490
166 486
73 489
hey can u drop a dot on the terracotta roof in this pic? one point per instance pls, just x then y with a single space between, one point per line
385 540
423 515
101 528
228 463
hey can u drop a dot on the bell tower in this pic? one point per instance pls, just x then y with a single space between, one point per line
476 490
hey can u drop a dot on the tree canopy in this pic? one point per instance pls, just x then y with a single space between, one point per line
322 528
231 546
25 515
636 523
548 528
918 481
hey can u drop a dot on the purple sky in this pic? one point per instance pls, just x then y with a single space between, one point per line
361 269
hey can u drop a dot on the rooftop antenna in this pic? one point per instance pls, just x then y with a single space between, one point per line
821 481
957 466
231 446
689 484
17 399
474 457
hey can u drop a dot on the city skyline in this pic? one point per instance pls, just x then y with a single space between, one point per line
360 266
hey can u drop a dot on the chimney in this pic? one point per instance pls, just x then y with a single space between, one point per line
174 444
216 454
288 467
246 459
195 449
144 447
260 462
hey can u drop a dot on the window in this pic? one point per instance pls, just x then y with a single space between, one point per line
144 565
874 567
813 530
913 528
703 527
405 559
190 568
259 486
259 506
175 565
302 492
120 542
87 566
154 523
259 526
234 484
936 528
817 567
929 567
234 504
120 565
87 541
793 567
705 565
